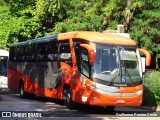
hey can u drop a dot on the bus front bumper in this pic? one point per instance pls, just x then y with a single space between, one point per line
119 99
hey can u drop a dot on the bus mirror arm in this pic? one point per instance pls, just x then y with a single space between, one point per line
147 54
91 52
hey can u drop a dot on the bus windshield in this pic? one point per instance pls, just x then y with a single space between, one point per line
130 65
116 65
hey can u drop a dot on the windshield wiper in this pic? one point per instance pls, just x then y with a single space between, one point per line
113 77
106 72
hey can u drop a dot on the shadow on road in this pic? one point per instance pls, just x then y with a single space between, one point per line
6 92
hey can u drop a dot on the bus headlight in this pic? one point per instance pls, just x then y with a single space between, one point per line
96 89
139 92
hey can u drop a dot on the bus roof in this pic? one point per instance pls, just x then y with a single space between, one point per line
98 37
4 53
37 40
104 38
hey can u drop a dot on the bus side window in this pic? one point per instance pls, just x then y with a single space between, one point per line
12 54
29 52
41 50
65 52
20 53
84 63
51 51
77 50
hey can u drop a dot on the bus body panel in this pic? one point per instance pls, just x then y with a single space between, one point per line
29 74
103 100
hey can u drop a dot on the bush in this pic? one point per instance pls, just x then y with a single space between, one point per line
151 89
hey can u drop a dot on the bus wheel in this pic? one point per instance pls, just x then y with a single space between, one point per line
67 97
21 90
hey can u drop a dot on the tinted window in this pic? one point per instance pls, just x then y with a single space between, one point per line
30 52
22 53
17 53
12 53
51 51
47 51
85 63
65 52
77 49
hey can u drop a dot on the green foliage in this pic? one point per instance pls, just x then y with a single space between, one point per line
17 22
114 12
45 9
62 16
151 89
49 12
145 27
21 7
4 26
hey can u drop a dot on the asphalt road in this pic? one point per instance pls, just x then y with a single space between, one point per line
37 107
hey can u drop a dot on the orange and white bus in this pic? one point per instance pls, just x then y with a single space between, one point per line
83 67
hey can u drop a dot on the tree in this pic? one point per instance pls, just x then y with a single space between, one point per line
4 26
114 13
63 16
18 22
141 19
145 26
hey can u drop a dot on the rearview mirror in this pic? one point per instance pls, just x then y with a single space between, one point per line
91 52
147 55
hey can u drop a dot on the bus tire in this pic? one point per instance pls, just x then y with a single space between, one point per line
22 93
67 97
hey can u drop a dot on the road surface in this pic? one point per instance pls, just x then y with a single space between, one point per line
37 107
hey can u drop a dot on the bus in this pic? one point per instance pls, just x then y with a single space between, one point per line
83 67
3 69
